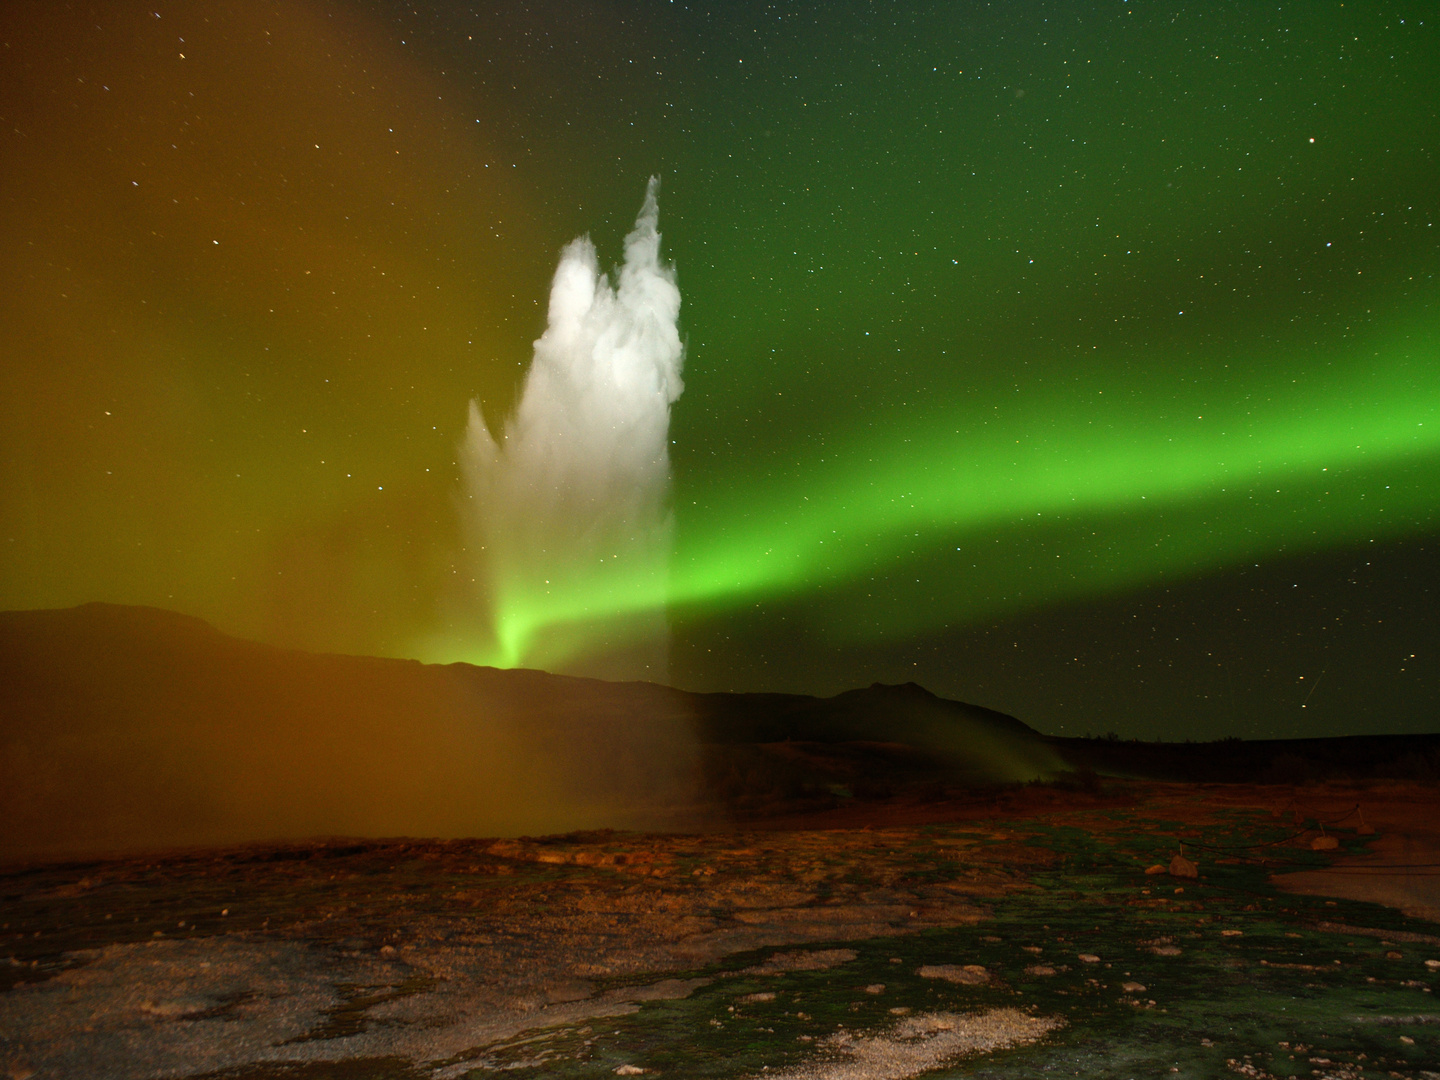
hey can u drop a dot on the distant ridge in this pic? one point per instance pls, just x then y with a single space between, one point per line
125 727
851 714
1259 761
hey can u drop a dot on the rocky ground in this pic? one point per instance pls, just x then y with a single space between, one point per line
1036 929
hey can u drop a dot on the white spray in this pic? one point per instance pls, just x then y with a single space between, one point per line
570 510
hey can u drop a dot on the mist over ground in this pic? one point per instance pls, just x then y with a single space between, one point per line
125 728
133 727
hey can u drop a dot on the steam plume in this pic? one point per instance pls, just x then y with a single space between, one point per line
570 508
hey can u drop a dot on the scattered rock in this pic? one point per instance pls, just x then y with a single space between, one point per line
1324 843
1165 950
1183 867
802 960
920 1044
628 1070
966 975
1158 868
1433 965
751 999
1039 969
875 988
1133 988
1231 933
1089 957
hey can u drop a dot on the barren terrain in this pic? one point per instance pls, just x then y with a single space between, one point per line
880 938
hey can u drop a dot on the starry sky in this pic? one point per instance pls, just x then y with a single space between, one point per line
1076 359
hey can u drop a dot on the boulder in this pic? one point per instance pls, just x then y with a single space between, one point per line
1183 867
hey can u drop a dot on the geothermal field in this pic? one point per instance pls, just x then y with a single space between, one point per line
570 539
882 884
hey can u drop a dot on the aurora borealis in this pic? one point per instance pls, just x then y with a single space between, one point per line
1080 360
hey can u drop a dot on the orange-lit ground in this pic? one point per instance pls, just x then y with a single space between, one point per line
426 951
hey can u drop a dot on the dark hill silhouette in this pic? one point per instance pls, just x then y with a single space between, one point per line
853 714
125 727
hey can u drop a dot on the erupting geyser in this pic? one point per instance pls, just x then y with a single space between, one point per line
568 513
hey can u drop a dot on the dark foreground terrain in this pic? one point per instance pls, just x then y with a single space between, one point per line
1039 931
882 884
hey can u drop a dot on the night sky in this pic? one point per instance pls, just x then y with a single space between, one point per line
1078 360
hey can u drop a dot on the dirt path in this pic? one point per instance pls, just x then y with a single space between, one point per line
1401 866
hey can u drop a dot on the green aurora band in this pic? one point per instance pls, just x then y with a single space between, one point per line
1108 494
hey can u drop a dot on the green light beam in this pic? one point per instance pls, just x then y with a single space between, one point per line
1250 475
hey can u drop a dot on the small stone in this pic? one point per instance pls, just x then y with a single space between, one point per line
628 1070
1158 868
751 999
1433 965
1324 843
1089 958
1183 867
1166 950
1393 955
1407 1040
1040 969
1134 988
900 1010
875 988
1031 949
1231 933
